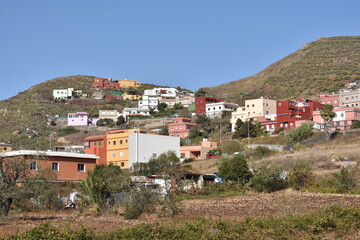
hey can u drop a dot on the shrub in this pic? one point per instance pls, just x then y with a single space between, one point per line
141 200
299 134
345 180
187 160
268 179
300 176
235 169
262 151
67 130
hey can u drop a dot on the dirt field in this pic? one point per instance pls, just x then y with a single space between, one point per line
230 208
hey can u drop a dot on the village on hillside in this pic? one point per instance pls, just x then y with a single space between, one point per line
172 140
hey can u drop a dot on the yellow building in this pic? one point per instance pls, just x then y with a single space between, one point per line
128 83
129 146
118 146
131 97
5 148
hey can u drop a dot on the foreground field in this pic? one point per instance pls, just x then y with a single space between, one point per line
235 208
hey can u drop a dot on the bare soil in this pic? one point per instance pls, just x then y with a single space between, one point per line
233 208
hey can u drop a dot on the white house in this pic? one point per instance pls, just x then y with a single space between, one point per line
110 114
136 111
148 102
214 110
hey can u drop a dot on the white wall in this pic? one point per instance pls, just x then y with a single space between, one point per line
143 146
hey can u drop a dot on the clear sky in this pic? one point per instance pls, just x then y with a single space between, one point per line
187 43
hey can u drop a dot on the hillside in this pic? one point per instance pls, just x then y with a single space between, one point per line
324 65
32 109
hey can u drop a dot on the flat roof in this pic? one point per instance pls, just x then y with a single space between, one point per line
49 153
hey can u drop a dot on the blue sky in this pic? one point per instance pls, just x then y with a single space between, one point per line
188 43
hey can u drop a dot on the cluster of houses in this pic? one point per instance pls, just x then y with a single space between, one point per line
128 146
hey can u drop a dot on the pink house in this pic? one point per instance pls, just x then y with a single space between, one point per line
332 99
345 117
80 119
197 152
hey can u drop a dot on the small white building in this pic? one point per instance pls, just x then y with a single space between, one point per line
163 92
148 102
110 114
65 94
214 110
136 111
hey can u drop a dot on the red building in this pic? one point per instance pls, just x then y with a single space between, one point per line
332 99
291 113
200 104
105 83
180 127
96 145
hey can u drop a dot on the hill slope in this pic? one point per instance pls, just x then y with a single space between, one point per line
321 66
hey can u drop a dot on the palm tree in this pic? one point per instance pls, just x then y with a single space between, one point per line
328 115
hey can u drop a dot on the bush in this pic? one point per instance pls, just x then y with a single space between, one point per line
299 134
300 176
345 181
141 200
187 160
268 179
235 169
66 131
262 151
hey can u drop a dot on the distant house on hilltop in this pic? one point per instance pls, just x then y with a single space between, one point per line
105 83
128 83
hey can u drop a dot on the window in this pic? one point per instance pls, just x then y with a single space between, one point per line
126 141
99 143
55 166
122 154
81 167
122 164
114 142
154 154
121 141
33 166
112 154
94 143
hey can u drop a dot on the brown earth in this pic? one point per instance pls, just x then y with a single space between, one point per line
230 208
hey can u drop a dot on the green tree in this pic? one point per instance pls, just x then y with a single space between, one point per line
100 183
105 122
167 165
162 107
300 175
268 179
164 130
235 169
11 171
204 123
248 129
178 106
327 114
200 93
120 120
299 134
345 180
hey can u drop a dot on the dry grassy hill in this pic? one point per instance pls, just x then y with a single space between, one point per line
324 65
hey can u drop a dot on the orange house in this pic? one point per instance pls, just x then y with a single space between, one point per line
198 151
96 145
68 166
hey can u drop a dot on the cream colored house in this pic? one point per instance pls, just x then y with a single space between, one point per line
253 108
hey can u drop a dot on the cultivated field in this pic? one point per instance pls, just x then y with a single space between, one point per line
230 208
